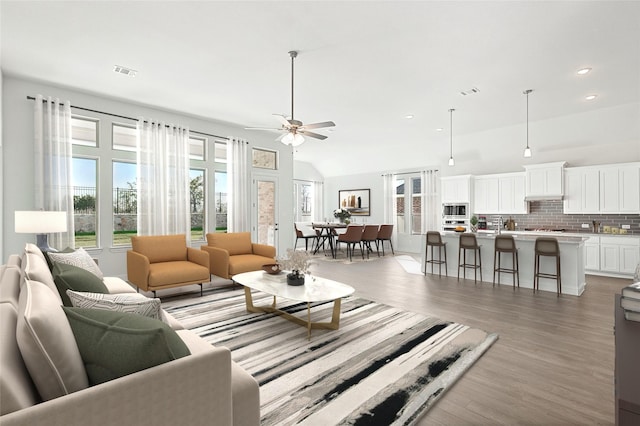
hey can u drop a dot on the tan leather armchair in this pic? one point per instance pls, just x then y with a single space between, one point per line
164 261
234 253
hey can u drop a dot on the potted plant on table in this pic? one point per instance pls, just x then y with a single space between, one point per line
342 214
298 263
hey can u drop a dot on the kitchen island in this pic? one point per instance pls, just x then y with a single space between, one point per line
571 260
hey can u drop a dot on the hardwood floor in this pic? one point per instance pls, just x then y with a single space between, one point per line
552 364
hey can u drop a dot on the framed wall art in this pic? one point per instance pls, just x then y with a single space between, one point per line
357 201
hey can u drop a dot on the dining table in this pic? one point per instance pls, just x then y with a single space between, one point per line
326 234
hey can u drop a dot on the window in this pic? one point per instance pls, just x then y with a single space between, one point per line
416 206
84 131
221 201
264 159
84 178
197 204
197 148
125 207
220 149
400 205
123 137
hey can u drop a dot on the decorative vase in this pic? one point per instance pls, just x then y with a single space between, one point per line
474 228
341 219
294 279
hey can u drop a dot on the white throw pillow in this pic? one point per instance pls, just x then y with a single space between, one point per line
79 258
124 302
47 343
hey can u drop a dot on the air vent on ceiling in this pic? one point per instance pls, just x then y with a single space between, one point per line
471 91
124 70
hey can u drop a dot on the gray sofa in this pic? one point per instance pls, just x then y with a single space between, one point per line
203 388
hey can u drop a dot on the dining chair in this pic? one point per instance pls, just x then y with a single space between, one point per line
370 235
384 234
352 237
306 232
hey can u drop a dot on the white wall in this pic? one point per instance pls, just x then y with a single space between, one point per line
306 171
601 136
18 167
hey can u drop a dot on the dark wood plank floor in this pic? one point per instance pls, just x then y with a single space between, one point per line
553 363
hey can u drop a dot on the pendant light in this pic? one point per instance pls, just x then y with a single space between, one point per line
451 162
527 150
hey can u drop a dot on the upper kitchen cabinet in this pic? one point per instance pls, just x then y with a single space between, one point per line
612 188
456 189
582 190
620 188
499 194
544 181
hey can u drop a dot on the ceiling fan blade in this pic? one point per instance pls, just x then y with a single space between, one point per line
312 135
262 128
318 125
282 119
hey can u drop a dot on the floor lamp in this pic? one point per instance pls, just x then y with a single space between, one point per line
41 223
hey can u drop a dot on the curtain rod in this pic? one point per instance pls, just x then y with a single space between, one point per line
31 98
411 173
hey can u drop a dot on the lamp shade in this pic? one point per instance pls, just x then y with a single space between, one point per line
40 222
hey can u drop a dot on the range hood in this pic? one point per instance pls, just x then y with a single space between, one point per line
557 197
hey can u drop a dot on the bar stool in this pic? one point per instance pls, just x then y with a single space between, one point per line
435 240
546 246
468 242
506 244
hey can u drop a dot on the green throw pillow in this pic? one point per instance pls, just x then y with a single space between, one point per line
69 277
114 344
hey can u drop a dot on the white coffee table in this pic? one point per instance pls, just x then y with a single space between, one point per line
315 289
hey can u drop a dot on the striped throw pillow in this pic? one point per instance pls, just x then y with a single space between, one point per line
125 302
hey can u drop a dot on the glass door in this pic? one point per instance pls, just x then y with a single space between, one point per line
408 193
265 228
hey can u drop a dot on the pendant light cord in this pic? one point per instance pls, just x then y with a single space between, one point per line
451 133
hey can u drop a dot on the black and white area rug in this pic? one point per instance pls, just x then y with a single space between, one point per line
384 366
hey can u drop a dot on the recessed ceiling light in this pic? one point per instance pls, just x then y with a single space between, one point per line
590 97
408 116
124 70
584 71
439 129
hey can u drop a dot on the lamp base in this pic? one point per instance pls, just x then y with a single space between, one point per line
43 243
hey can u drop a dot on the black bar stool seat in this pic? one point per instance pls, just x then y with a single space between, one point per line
505 244
435 240
546 246
468 242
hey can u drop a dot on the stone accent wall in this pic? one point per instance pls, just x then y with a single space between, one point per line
548 215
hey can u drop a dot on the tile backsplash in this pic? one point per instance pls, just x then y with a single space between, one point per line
548 215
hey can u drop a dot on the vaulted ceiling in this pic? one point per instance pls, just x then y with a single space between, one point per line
365 65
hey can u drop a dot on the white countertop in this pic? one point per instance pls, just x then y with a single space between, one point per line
562 237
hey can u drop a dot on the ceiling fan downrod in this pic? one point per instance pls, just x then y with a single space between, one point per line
292 54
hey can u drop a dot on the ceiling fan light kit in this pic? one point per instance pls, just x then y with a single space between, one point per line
295 129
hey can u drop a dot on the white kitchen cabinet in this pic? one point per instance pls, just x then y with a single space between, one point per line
582 190
592 254
499 194
485 199
512 193
619 255
620 188
544 181
456 189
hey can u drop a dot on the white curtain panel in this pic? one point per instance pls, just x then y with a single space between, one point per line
318 202
239 194
429 183
163 179
54 190
389 204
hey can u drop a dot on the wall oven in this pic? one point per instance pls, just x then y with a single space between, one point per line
455 216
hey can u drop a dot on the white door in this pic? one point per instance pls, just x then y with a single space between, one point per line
265 201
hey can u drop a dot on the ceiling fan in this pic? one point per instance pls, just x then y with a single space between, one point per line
295 129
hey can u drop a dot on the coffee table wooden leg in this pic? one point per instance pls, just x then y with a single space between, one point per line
308 320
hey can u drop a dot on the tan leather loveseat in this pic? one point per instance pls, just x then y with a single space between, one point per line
234 253
163 261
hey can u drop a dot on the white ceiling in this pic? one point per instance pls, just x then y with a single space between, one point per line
363 64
